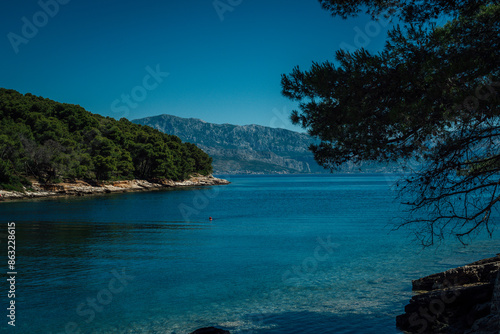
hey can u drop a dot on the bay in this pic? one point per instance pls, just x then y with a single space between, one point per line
283 254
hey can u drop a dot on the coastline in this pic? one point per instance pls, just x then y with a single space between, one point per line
82 188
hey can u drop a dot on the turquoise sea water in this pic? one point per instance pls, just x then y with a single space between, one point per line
283 254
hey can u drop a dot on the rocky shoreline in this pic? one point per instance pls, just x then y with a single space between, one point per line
82 188
463 300
460 300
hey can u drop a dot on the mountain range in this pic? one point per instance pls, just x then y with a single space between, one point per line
252 149
248 149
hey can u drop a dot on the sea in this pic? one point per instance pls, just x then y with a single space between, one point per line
280 254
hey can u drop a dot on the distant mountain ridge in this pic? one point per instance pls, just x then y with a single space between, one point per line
248 149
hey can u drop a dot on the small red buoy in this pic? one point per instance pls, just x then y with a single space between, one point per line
210 218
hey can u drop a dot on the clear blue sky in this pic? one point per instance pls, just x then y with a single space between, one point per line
224 66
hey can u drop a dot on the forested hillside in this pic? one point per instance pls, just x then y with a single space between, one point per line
51 141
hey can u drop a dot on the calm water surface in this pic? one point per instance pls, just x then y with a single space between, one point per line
283 254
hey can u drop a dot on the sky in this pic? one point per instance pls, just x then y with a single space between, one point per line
220 61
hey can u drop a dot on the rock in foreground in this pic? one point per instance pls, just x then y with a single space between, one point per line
459 300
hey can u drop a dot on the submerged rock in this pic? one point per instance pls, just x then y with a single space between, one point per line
459 300
210 330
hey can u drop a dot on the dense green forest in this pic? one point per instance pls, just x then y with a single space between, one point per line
51 142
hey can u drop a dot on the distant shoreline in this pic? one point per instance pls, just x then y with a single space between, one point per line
82 188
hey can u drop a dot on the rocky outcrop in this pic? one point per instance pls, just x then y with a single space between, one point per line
459 300
81 188
210 330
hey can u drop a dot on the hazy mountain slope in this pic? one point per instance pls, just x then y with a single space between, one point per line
242 149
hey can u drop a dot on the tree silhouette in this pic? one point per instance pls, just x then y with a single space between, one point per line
429 96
